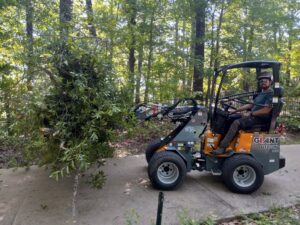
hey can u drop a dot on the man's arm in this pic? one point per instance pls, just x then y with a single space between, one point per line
262 112
243 108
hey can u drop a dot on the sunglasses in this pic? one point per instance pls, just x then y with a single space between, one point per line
263 80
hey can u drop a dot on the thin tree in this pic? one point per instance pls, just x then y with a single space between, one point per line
29 35
291 35
150 55
112 29
248 36
140 61
132 11
215 48
219 28
65 16
90 17
199 46
212 52
191 58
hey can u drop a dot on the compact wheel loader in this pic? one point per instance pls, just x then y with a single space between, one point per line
251 155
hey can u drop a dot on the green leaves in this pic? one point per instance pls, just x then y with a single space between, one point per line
5 3
81 109
97 180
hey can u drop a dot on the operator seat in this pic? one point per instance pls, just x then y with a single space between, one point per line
277 110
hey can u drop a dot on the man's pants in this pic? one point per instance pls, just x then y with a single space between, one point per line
244 123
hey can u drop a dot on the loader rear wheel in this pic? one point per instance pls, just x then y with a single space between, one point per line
166 170
151 148
242 174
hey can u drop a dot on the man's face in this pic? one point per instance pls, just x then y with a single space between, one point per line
264 83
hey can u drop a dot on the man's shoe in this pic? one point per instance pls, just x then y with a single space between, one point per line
219 151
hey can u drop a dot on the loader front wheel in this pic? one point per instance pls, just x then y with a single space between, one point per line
166 170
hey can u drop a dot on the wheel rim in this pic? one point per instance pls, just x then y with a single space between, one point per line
244 176
168 172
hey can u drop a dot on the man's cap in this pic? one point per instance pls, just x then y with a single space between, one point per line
265 75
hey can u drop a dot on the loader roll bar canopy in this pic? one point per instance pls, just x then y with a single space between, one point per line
251 64
258 65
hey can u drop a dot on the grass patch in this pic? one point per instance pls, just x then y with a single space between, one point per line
275 216
184 219
132 218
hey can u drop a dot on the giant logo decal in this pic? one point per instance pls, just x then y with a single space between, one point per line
266 140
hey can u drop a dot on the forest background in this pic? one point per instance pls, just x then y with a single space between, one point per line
71 70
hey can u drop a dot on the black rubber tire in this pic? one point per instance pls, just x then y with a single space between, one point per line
232 163
160 158
151 148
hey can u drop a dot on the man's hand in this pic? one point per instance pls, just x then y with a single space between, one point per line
244 107
246 114
232 111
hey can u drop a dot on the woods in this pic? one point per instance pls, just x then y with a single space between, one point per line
77 67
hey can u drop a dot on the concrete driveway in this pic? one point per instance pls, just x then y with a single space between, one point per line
31 198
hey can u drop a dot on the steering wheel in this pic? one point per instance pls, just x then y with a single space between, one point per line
236 98
227 106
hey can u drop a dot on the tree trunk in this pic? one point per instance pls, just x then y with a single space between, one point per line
29 35
245 39
250 43
291 34
212 42
131 58
289 59
275 28
65 17
8 112
199 47
90 17
149 63
185 60
139 76
211 58
112 31
192 54
176 58
176 37
216 54
248 52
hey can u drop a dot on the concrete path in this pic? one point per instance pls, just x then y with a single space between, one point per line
31 198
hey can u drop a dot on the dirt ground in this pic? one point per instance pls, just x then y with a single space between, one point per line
10 155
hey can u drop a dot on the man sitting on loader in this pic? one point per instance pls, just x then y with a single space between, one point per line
259 114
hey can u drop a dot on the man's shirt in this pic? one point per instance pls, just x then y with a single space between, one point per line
263 99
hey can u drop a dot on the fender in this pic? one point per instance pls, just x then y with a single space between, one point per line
186 156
